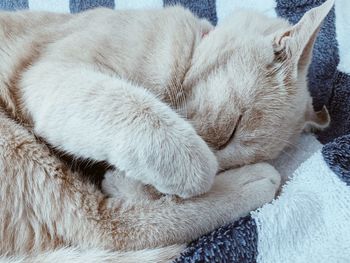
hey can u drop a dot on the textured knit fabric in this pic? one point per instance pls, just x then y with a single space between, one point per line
13 5
236 242
79 6
339 108
337 156
309 221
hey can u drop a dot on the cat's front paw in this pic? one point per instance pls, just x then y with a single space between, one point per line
161 149
185 169
256 184
263 182
190 170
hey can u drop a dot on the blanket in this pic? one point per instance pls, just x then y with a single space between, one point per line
310 220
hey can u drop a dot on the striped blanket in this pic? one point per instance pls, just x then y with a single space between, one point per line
310 220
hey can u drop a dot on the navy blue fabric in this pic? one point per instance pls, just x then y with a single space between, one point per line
82 5
12 5
339 109
236 242
202 8
337 156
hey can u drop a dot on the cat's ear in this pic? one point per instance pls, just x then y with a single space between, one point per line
296 43
316 119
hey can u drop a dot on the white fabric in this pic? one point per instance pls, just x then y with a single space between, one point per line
60 6
137 4
342 25
224 7
309 221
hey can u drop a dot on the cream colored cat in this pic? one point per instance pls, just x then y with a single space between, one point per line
166 99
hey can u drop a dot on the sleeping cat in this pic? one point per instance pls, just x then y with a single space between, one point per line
166 99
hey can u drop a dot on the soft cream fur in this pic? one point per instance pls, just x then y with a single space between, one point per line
143 91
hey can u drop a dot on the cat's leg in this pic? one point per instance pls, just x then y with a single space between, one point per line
97 116
170 220
45 206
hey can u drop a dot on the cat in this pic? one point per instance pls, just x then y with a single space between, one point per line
174 104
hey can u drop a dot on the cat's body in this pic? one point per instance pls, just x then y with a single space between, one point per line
105 85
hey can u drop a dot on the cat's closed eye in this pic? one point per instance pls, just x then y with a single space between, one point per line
229 140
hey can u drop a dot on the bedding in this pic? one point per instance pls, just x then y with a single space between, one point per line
310 220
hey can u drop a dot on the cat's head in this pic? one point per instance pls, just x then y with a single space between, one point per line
249 95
